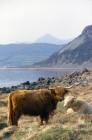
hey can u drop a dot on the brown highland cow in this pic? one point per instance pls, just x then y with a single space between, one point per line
34 103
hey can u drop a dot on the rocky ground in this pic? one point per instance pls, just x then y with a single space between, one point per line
75 78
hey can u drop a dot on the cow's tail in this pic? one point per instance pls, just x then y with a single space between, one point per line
9 120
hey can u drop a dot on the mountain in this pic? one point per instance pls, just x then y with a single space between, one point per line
17 55
47 38
77 53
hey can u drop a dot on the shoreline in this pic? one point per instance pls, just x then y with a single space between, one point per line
82 78
39 68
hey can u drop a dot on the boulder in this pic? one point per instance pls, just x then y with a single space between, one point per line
84 70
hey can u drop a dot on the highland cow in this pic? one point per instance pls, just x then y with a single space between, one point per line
34 103
77 105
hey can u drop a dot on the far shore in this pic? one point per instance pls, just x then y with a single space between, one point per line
38 68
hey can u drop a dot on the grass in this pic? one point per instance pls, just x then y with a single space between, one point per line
22 60
60 106
62 134
62 126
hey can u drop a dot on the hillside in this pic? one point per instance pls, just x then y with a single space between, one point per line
17 55
76 53
47 38
61 125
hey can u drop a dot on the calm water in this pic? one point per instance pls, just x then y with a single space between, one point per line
13 77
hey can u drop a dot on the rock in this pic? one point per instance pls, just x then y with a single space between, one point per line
73 74
84 70
21 86
40 79
74 78
26 83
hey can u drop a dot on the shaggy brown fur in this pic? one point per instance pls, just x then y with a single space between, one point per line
34 103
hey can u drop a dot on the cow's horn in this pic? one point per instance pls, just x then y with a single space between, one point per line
69 87
51 88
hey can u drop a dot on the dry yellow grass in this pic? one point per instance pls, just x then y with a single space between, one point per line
61 125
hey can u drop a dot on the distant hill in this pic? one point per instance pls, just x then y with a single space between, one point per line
47 38
77 53
17 55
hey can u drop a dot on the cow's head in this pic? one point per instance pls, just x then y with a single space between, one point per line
59 92
69 101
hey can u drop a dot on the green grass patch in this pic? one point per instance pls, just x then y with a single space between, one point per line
61 107
3 125
19 134
64 134
22 60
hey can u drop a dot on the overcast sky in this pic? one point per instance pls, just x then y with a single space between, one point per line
27 20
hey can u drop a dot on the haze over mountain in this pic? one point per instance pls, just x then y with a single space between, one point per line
76 53
47 38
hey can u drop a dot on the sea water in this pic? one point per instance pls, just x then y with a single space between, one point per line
13 77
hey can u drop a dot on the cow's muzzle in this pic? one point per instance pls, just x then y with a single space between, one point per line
61 99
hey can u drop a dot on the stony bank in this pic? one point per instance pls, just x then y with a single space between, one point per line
75 78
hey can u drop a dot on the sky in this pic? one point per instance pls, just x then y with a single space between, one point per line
27 20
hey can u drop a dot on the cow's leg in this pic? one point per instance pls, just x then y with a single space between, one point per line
16 116
14 119
46 118
9 120
41 120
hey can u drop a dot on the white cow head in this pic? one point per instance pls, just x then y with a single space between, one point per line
69 101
